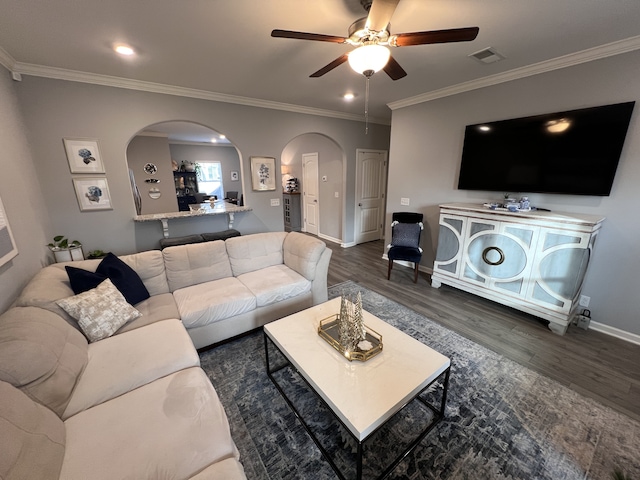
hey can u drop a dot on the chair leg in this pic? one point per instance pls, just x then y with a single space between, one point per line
389 269
415 275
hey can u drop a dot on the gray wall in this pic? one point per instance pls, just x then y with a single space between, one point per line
426 147
148 149
331 166
54 109
25 202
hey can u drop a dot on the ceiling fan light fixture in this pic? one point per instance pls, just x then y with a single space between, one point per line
369 58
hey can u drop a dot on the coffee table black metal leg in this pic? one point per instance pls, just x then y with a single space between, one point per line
438 412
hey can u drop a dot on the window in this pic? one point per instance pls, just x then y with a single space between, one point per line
210 178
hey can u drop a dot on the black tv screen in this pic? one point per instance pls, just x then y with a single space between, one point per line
574 152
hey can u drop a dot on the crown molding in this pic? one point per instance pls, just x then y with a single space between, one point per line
130 84
584 56
6 60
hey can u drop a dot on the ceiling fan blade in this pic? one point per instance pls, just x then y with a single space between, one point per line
307 36
380 14
436 36
327 68
394 70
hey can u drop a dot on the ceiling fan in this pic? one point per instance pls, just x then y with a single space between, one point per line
372 37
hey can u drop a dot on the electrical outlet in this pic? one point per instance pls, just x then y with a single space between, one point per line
275 202
336 194
584 301
404 201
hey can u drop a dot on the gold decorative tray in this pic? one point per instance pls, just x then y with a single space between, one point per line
329 330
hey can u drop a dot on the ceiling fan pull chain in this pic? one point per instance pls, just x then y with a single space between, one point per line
366 107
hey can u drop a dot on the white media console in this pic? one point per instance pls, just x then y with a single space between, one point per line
532 261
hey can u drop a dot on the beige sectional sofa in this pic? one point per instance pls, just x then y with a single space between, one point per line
137 404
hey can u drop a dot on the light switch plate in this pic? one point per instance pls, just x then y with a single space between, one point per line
275 202
404 201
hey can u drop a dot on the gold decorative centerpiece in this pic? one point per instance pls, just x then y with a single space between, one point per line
347 333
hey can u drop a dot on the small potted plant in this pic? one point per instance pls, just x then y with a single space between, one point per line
97 254
65 251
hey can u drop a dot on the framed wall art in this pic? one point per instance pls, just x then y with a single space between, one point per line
8 248
92 194
234 176
263 173
83 155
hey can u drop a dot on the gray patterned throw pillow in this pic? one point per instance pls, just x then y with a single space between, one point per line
99 311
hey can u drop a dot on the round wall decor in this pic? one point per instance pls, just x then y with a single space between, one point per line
150 168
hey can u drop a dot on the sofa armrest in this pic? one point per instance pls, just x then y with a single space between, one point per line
302 253
319 283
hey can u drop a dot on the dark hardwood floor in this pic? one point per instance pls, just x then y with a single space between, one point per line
591 363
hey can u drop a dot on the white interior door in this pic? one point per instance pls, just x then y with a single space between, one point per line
310 192
371 185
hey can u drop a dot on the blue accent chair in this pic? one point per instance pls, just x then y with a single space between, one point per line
406 228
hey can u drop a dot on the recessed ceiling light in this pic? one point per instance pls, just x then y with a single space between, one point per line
124 49
348 96
222 137
214 140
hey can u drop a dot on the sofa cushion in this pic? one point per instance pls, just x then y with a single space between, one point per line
228 469
153 309
174 427
188 265
121 363
100 311
41 354
32 438
254 252
275 284
48 285
213 301
149 266
302 253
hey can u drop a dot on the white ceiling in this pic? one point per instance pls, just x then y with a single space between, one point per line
224 46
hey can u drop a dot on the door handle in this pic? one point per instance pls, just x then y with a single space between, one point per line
359 204
316 201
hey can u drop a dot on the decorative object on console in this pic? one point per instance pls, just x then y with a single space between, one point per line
292 185
92 194
65 251
263 171
83 155
8 248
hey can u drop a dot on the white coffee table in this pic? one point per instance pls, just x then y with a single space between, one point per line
362 395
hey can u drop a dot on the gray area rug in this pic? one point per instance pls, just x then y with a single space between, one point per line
503 421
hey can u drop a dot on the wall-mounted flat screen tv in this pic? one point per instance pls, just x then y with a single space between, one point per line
574 152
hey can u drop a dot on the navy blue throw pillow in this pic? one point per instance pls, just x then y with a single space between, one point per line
83 280
124 278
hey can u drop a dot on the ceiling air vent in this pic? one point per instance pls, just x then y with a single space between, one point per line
487 55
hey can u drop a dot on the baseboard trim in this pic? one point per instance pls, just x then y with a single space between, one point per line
615 332
330 239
